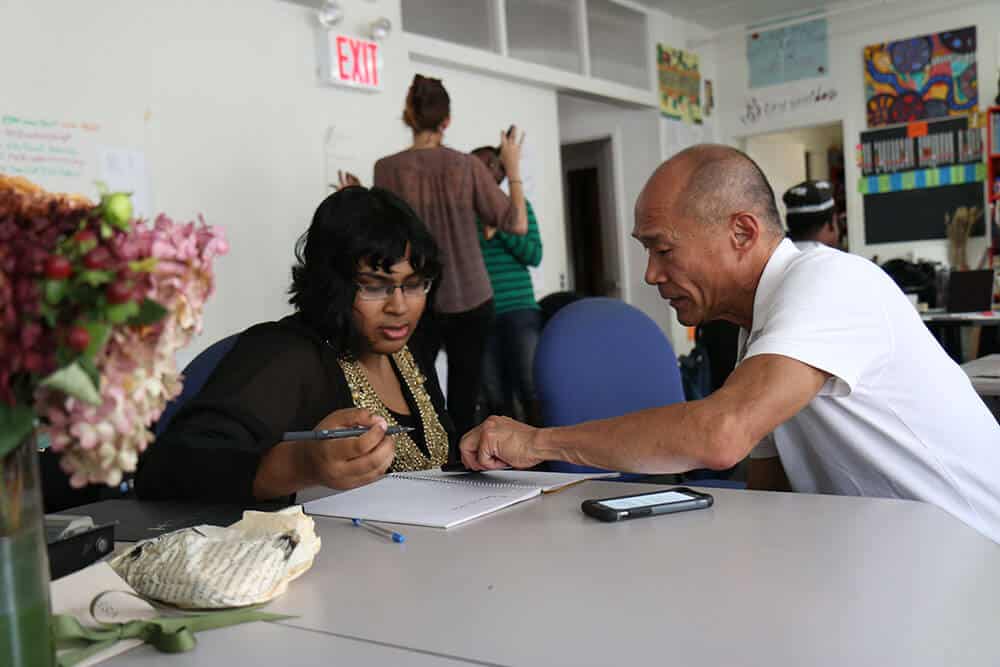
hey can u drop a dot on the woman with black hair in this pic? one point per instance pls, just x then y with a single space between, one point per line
365 269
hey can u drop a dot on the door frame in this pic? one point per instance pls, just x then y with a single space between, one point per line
621 230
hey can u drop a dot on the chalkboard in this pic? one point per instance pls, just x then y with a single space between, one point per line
913 175
917 215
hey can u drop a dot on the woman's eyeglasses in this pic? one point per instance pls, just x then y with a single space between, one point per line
384 291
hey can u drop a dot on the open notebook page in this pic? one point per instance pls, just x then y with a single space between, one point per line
435 499
546 481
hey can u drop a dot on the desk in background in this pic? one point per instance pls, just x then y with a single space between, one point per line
760 578
947 327
985 375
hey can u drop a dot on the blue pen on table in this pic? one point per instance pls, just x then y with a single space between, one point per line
379 530
335 433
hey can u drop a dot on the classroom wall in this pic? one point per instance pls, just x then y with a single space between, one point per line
814 140
635 154
224 99
484 106
849 33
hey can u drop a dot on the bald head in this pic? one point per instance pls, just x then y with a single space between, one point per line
709 183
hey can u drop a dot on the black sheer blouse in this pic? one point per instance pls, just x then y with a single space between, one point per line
280 376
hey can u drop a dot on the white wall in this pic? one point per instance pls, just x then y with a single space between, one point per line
849 33
481 107
783 155
814 140
642 139
782 161
224 99
636 153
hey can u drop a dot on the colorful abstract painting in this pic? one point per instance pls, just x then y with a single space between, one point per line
932 76
680 84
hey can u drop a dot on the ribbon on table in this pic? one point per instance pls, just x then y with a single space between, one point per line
172 634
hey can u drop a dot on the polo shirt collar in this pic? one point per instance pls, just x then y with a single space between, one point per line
770 279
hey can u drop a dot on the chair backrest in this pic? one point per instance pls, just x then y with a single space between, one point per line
195 374
600 358
553 303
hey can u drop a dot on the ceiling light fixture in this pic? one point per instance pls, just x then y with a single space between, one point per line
329 14
380 29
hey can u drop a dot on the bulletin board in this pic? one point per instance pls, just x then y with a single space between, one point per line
914 175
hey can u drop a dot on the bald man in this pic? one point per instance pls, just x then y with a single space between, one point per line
834 362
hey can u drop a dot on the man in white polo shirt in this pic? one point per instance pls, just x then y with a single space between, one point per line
835 362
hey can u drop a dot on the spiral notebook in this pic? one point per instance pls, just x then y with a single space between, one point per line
442 500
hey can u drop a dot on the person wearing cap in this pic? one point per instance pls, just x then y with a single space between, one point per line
810 215
833 361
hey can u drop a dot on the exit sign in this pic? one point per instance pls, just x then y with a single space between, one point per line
355 62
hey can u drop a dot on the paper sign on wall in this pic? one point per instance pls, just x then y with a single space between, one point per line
787 54
679 84
125 170
355 62
57 154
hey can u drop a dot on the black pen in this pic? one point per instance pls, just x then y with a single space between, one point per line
333 434
458 466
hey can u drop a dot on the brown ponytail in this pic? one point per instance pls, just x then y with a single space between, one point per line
427 104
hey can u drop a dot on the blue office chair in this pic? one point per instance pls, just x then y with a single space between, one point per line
599 358
196 373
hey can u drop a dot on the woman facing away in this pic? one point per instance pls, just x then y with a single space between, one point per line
363 278
449 190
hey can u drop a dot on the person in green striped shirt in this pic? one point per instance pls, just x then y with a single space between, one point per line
508 386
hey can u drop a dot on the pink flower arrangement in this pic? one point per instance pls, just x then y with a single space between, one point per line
89 328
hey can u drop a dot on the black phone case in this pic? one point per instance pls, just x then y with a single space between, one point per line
595 509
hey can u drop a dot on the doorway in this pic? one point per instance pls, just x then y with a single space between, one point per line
792 156
588 184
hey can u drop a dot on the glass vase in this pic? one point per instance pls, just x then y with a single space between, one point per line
25 634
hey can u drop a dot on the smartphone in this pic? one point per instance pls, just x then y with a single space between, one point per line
668 501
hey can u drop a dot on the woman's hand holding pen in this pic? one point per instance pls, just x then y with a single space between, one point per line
351 462
344 463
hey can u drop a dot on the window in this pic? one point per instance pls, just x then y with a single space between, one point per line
618 43
545 32
466 22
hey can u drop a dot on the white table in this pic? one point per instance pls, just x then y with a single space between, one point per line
272 645
985 375
759 579
981 318
946 327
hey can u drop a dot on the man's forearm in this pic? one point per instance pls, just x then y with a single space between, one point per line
670 439
716 432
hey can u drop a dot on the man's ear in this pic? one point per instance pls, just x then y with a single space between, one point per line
444 124
744 230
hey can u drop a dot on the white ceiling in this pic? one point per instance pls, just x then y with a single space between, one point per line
718 14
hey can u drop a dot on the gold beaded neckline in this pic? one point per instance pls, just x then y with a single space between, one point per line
408 454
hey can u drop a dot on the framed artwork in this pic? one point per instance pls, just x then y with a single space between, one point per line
679 84
931 76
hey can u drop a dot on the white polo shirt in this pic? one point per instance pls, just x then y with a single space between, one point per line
899 418
807 245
